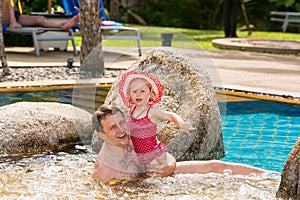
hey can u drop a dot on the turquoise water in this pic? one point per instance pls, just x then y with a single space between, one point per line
260 133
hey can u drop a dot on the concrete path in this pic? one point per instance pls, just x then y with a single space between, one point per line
231 69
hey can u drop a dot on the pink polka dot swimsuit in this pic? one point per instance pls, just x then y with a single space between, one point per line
143 136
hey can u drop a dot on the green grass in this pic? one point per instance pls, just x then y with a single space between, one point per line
188 38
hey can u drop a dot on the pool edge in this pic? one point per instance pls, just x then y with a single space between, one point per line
254 95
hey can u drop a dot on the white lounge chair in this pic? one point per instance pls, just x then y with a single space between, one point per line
37 35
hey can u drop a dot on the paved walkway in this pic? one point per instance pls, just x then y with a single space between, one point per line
237 70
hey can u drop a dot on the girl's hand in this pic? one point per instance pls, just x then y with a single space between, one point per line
187 127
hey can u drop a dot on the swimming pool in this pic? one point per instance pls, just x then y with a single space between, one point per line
260 133
256 132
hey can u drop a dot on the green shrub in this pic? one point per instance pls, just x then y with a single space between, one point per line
40 5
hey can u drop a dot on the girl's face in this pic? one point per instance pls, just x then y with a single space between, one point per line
139 92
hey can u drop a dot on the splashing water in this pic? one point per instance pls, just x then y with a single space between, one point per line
69 176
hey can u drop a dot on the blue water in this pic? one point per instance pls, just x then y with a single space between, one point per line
260 133
59 95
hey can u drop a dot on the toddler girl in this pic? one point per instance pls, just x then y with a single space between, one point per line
140 92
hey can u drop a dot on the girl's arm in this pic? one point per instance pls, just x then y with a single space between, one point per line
170 116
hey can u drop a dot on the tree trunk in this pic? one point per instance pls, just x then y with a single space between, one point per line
5 68
91 56
90 28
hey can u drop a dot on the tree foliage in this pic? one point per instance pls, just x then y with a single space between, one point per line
200 14
287 5
187 13
207 14
40 5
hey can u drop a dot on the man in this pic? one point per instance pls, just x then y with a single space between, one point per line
12 15
117 158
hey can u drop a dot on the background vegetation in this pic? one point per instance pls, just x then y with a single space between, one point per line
201 20
207 14
196 14
40 5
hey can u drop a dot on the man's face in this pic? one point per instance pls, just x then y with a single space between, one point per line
115 130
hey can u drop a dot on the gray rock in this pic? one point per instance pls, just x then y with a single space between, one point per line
32 127
289 187
189 92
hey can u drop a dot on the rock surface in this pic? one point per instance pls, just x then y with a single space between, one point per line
31 127
290 175
188 92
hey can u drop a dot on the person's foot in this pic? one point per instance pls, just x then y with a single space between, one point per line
15 25
69 24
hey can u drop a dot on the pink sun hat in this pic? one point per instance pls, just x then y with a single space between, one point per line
157 87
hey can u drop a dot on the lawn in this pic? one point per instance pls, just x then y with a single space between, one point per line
189 38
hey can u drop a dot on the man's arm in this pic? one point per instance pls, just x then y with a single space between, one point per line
215 166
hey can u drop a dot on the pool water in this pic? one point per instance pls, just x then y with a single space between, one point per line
259 133
55 95
62 95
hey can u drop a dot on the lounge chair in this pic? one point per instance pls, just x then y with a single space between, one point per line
108 28
37 35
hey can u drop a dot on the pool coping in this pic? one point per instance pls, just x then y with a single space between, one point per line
27 86
253 95
53 84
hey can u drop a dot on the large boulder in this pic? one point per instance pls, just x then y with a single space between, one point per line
31 127
188 92
289 187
